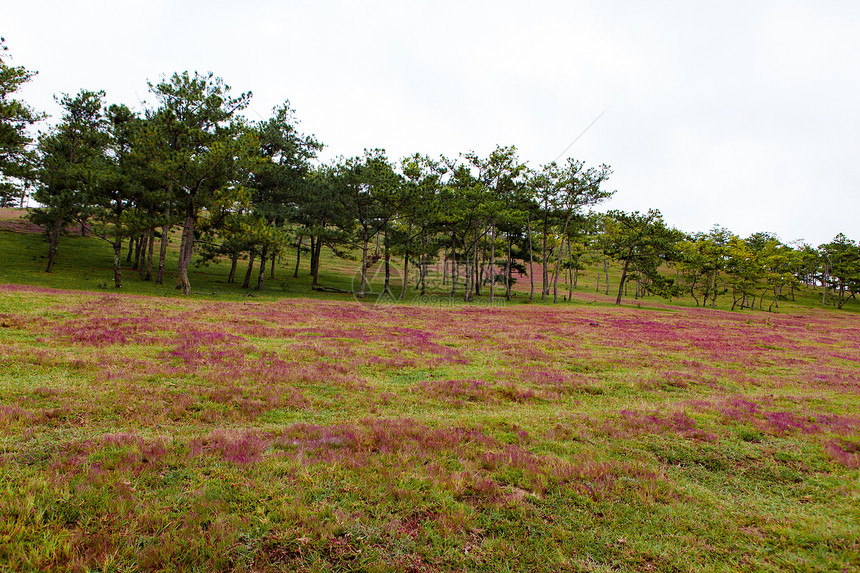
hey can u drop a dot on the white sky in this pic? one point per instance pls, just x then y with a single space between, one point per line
740 113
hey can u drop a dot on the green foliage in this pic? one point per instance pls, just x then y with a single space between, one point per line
253 190
643 243
16 160
72 166
197 146
842 270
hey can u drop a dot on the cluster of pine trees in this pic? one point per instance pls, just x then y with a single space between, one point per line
252 191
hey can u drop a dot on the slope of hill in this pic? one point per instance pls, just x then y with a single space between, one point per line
303 435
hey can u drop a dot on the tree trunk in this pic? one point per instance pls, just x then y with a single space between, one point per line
141 264
317 256
53 242
275 255
234 262
137 246
531 258
623 278
162 251
130 250
476 271
405 276
824 284
558 268
247 282
508 267
467 275
422 271
316 251
492 263
365 246
186 248
558 259
544 288
606 273
298 258
262 274
117 255
148 274
386 289
313 255
454 268
572 272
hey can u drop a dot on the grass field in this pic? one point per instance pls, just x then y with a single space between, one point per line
219 432
151 433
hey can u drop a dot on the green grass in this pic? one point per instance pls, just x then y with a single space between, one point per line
85 263
151 433
287 433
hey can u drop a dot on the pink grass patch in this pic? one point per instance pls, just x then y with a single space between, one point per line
239 447
780 422
844 452
633 423
476 391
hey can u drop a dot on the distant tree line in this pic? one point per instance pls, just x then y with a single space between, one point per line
252 191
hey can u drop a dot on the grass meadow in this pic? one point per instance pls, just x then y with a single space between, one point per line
221 432
143 433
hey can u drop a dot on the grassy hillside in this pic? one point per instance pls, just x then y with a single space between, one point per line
322 436
219 432
85 263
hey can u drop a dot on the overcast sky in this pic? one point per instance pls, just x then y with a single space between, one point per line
739 113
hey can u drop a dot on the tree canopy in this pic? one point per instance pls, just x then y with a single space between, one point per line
255 190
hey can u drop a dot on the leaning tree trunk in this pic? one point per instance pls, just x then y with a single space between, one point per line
53 242
623 278
247 282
